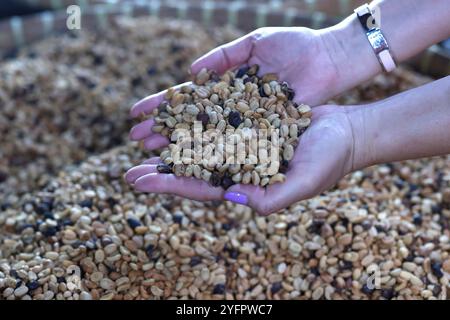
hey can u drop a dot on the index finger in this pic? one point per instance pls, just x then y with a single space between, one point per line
226 56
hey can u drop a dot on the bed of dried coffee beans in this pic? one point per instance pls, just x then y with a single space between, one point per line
239 104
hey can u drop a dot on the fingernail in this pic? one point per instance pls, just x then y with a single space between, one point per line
236 197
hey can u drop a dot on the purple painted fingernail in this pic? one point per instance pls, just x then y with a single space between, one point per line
236 197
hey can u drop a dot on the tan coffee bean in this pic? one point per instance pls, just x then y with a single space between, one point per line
218 87
267 89
171 122
178 98
221 125
279 177
255 178
264 123
303 122
288 152
206 175
246 178
197 171
202 92
202 77
186 89
272 117
293 131
178 169
237 177
276 123
269 77
292 111
214 98
169 93
157 128
179 108
305 110
234 168
192 109
242 106
264 181
168 160
189 172
284 130
249 87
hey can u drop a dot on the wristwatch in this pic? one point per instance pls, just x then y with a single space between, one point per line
375 36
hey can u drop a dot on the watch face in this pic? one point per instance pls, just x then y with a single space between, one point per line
377 40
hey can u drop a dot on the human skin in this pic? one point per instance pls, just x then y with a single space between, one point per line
319 65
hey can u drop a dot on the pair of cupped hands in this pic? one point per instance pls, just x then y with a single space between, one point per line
325 152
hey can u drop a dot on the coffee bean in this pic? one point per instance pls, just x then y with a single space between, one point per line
33 285
276 287
219 289
3 176
234 119
262 94
215 179
436 268
133 223
242 71
163 168
195 260
43 208
49 231
388 293
227 182
203 117
417 219
86 203
367 290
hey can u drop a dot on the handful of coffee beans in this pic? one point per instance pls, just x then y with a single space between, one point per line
233 128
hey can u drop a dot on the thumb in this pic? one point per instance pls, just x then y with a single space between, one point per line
226 56
272 198
266 200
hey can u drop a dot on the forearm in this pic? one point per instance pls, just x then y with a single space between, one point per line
410 26
410 125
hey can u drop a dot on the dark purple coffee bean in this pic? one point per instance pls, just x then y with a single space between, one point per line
227 181
234 119
215 179
241 72
214 76
203 117
284 166
163 168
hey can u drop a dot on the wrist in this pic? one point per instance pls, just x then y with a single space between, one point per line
363 121
351 54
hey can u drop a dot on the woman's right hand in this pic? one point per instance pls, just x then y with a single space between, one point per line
309 60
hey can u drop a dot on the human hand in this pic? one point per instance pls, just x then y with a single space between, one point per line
303 57
323 156
296 55
307 59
